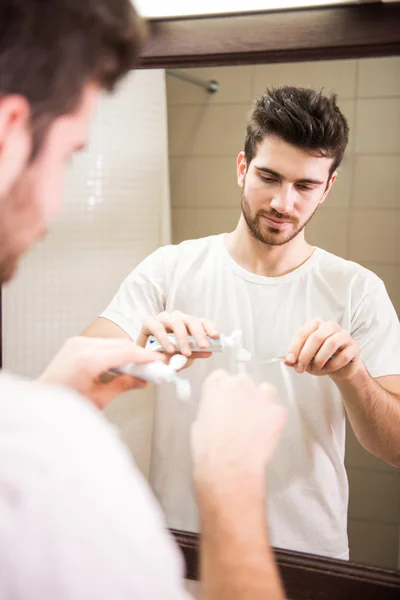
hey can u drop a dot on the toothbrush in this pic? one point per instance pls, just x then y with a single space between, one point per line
275 359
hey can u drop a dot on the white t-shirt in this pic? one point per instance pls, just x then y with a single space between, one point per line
77 521
307 482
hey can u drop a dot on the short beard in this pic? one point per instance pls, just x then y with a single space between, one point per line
269 235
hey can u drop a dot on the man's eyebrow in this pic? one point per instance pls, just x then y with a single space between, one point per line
279 176
269 172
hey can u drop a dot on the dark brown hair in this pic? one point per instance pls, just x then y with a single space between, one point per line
49 49
303 117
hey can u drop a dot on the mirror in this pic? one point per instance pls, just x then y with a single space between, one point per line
205 135
358 222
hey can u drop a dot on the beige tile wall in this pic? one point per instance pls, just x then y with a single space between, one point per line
360 220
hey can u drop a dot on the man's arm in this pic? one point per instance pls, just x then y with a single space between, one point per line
372 403
373 408
141 294
104 328
237 561
138 310
232 441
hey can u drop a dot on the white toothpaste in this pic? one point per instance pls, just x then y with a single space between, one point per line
159 372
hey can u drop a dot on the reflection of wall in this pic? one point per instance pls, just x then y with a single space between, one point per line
107 226
359 221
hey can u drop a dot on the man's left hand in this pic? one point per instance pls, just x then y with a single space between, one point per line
323 348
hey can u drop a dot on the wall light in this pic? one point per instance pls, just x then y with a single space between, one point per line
157 9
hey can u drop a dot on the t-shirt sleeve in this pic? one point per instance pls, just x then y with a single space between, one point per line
141 294
376 328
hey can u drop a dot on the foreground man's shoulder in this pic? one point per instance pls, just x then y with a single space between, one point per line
70 485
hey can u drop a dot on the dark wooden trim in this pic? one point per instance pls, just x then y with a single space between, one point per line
309 577
352 31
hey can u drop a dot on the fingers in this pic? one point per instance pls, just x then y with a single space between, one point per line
166 323
210 328
321 348
299 340
222 380
331 346
196 328
314 343
182 326
344 356
238 427
156 327
99 355
176 323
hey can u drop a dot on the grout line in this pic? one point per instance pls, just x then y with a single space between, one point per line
325 208
223 155
373 469
353 164
386 97
197 104
255 93
376 522
253 82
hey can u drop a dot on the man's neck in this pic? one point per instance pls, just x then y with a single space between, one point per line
262 259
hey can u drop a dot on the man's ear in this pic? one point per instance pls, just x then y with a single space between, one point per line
241 167
15 139
328 187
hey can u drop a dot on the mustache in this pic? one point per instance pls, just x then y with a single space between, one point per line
276 216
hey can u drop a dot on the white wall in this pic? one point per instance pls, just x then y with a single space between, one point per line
116 212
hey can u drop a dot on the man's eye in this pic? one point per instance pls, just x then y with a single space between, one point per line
304 188
268 180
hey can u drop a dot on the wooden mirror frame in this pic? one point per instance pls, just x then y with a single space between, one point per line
310 577
349 31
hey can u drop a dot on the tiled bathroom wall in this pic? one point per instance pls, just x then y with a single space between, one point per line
359 221
116 212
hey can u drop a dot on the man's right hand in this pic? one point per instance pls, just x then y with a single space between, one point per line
236 432
81 363
182 326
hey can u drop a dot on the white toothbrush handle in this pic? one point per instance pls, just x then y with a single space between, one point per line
155 372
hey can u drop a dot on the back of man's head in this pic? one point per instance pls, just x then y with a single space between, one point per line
49 50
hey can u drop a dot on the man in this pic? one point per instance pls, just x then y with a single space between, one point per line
330 318
76 518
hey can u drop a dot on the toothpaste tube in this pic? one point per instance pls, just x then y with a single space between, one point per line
159 372
224 342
